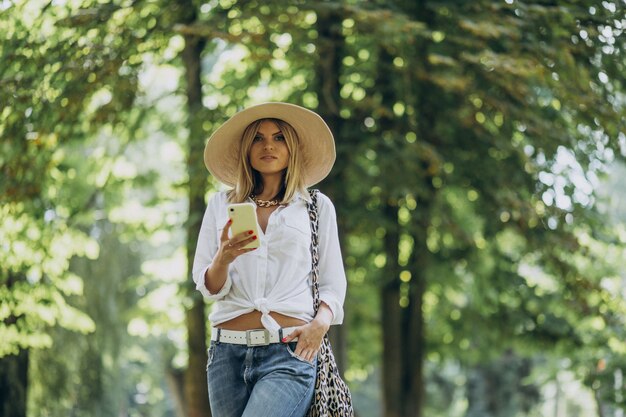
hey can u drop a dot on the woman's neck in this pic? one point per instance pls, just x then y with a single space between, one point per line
272 184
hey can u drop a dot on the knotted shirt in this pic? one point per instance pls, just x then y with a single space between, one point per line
276 276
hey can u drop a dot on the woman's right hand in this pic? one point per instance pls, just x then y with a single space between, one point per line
231 248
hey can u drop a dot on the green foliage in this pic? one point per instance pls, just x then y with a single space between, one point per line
77 96
36 280
61 82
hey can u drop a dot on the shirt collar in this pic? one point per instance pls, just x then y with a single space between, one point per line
306 197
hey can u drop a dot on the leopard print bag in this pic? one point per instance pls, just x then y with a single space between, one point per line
332 397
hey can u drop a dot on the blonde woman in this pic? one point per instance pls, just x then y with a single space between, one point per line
265 333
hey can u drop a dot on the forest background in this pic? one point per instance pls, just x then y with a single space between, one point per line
478 186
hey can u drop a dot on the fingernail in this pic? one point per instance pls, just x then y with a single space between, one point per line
250 232
284 339
230 221
253 237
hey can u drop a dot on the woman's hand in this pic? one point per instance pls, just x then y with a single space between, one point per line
231 248
311 334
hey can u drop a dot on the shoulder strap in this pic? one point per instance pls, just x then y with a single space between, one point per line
315 271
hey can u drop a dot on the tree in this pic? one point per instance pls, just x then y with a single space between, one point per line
454 94
195 377
86 60
468 140
483 85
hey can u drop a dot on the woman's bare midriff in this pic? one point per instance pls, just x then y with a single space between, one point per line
252 320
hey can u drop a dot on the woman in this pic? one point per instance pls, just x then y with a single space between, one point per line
266 336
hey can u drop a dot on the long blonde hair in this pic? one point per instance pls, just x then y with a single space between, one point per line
250 181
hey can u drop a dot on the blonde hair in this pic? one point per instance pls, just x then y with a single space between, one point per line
250 181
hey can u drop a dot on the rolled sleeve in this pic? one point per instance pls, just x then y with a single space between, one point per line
206 293
206 249
332 278
336 306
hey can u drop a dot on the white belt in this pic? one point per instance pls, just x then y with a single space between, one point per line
255 337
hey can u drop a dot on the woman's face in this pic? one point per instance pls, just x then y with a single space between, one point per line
268 153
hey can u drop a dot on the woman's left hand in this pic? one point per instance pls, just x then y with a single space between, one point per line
311 334
309 340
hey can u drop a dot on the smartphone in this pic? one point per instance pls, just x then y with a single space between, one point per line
243 216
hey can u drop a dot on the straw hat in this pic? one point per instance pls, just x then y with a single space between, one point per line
316 143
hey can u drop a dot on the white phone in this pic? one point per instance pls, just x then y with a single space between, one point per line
244 219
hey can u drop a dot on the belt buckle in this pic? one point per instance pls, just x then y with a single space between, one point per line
264 342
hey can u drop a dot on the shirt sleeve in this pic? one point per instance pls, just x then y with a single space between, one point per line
207 247
332 278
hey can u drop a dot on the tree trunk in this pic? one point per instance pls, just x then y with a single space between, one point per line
13 370
175 383
413 316
415 345
403 325
14 384
498 389
395 379
329 46
423 99
195 381
557 397
394 385
403 332
599 405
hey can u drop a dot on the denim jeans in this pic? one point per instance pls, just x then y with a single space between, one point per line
259 381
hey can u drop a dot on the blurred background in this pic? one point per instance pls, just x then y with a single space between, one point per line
479 187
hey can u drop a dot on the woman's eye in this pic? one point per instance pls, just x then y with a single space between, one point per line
280 137
257 139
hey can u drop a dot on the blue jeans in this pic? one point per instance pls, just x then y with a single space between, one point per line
259 381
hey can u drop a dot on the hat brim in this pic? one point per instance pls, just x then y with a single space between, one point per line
316 143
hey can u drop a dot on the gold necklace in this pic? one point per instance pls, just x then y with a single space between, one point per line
264 203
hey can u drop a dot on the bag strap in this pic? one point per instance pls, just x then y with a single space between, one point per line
315 270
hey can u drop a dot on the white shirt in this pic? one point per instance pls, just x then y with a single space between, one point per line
276 276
